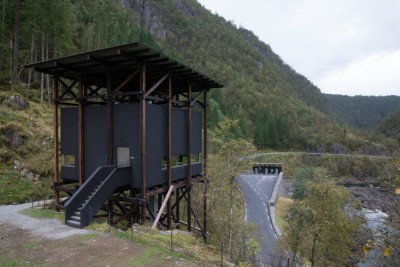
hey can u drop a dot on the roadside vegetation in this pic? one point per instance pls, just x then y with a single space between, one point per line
228 231
325 222
317 228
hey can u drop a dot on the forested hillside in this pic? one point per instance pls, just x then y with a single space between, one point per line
275 106
363 112
390 126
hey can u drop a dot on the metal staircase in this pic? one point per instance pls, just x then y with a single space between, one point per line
90 197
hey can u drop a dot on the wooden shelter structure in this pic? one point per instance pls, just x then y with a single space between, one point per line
129 122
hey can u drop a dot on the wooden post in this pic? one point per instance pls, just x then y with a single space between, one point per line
109 119
81 132
169 167
177 215
143 137
171 188
205 163
189 153
55 129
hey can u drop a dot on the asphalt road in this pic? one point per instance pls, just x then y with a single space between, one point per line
257 190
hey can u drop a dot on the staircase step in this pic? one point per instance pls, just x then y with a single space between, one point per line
74 223
75 218
77 213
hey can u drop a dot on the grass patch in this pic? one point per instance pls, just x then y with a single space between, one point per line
281 207
14 189
14 263
156 256
157 246
89 236
40 213
30 245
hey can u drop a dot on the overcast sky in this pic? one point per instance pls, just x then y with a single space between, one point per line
349 47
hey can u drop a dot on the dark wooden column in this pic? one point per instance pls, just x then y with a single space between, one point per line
81 132
189 154
55 128
169 167
205 161
109 119
177 209
143 137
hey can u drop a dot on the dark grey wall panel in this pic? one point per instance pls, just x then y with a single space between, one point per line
69 131
69 172
196 132
179 131
127 134
180 172
95 138
156 138
69 141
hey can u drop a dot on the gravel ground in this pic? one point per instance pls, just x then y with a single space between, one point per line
48 228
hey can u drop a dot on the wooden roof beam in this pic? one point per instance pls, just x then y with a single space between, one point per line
130 77
148 92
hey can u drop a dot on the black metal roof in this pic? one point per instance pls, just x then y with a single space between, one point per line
121 61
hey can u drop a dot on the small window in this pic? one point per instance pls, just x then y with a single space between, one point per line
164 162
183 159
69 159
195 157
123 159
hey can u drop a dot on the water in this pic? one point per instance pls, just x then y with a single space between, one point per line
376 221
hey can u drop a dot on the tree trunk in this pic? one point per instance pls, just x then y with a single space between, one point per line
42 74
3 29
48 76
293 258
15 48
32 55
312 260
32 51
230 219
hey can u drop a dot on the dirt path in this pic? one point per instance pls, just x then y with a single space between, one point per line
47 228
26 241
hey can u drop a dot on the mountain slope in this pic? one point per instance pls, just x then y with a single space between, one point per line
275 106
363 112
256 80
